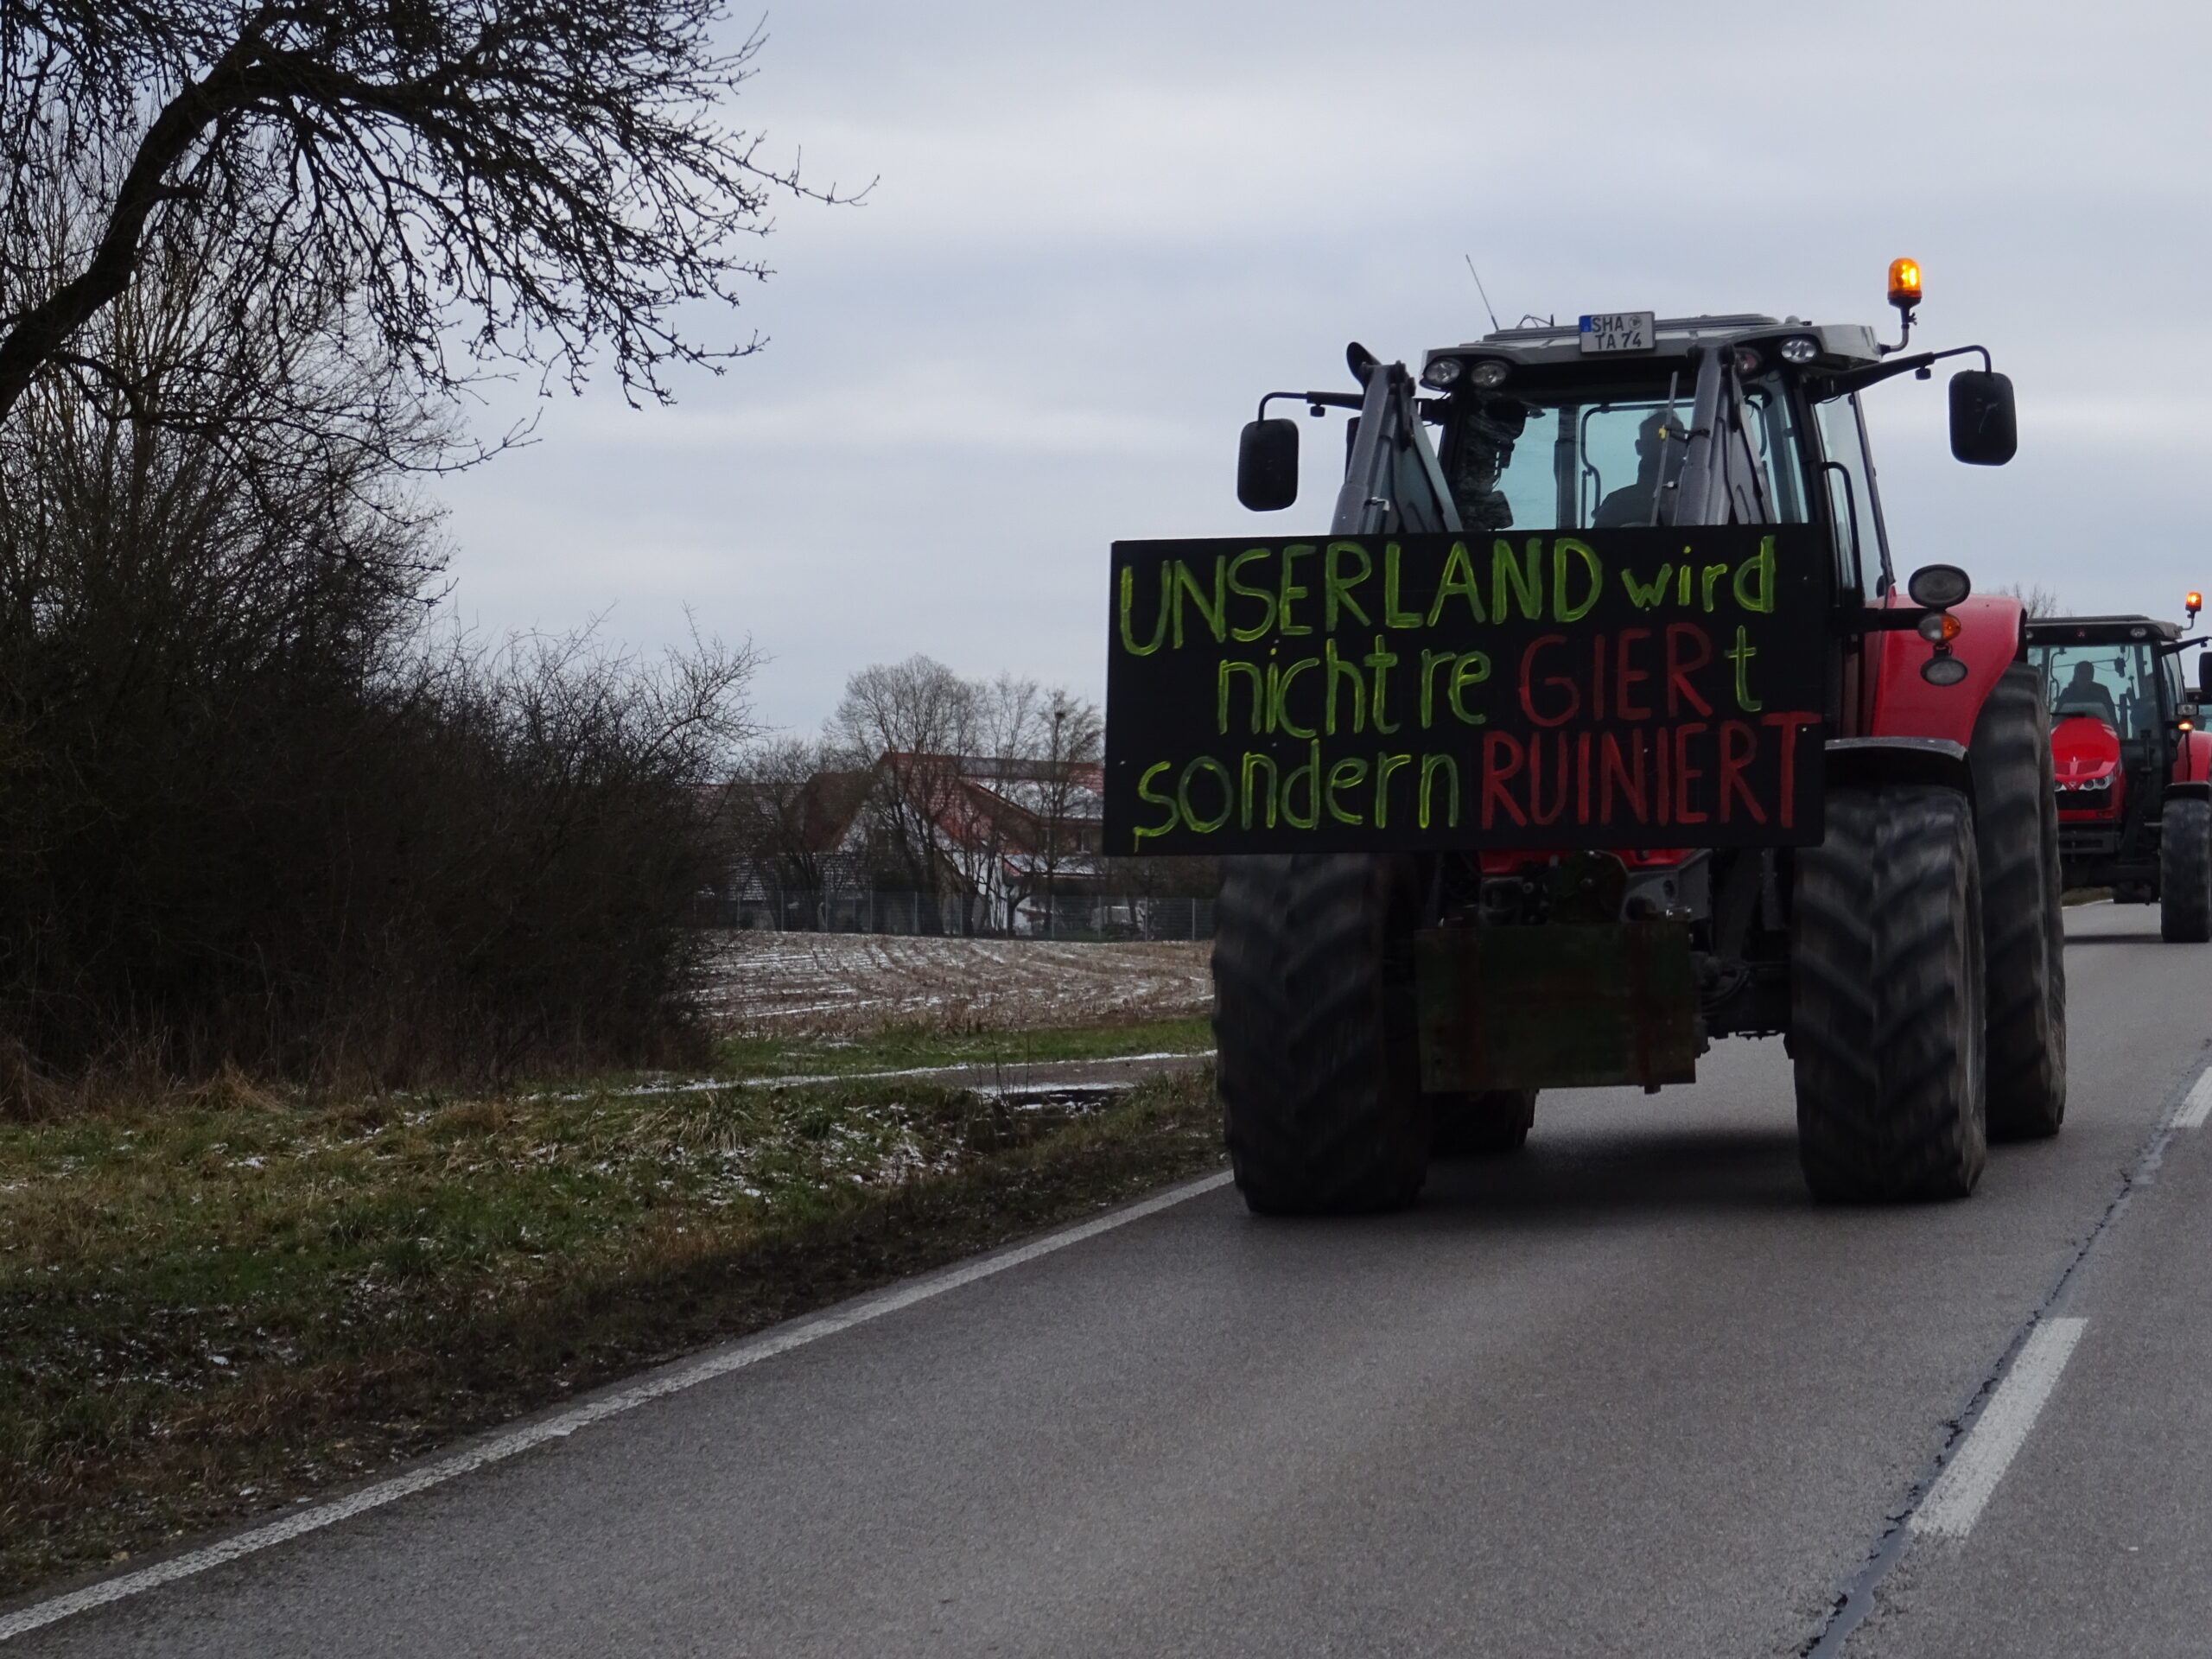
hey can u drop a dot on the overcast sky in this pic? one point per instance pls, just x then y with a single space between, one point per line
1102 231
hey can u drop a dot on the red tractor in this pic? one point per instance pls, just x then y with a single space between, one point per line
1593 730
2134 772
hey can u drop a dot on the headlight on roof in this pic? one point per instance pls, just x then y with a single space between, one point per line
1748 362
1488 373
1800 348
1441 372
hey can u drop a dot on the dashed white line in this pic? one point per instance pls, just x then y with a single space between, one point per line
2196 1105
499 1449
1955 1501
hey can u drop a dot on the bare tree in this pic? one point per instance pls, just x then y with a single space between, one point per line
911 721
997 823
1073 739
480 182
2038 600
985 788
786 806
1009 710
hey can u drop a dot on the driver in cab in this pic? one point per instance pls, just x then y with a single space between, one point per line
2084 695
1636 503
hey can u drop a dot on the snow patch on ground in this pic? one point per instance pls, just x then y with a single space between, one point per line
789 984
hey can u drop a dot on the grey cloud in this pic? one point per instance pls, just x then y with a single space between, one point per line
1101 232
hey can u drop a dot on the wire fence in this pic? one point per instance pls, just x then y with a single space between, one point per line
1090 916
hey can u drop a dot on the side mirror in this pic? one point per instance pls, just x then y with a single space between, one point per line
2204 677
1984 432
1267 465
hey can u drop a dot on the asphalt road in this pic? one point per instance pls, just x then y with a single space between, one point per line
1631 1393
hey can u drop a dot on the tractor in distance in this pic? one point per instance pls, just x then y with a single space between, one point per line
2133 769
1596 729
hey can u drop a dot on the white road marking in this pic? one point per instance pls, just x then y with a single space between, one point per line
2195 1104
1955 1503
717 1086
970 1067
563 1424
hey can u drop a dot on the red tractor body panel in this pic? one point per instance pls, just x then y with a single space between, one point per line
2085 765
1509 862
1902 704
2193 759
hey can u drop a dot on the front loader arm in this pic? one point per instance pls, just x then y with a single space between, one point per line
1392 483
1720 482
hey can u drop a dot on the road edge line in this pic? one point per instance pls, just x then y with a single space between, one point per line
510 1443
2195 1104
1955 1503
1855 1602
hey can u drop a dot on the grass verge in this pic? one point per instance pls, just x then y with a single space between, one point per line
222 1307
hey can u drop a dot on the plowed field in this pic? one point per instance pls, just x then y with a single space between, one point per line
837 983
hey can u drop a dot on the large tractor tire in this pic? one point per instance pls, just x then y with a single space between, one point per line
2023 926
1314 1025
1887 1014
2185 873
1487 1125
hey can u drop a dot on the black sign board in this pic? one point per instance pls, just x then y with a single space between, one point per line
1619 687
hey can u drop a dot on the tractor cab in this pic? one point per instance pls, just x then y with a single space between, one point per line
2126 746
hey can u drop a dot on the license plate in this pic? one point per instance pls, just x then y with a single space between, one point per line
1617 331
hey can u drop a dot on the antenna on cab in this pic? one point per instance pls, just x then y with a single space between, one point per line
1487 306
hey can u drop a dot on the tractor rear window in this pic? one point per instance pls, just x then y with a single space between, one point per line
1521 462
2117 684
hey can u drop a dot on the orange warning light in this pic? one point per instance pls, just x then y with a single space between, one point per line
2194 603
1905 284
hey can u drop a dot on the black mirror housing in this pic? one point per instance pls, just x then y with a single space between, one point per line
2204 677
1984 430
1267 465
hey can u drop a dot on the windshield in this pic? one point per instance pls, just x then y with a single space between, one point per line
1590 460
2116 683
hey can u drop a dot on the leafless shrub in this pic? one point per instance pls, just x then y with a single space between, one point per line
256 811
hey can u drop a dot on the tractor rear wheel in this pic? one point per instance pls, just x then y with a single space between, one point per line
1487 1125
2023 926
1887 1013
1314 1027
2185 873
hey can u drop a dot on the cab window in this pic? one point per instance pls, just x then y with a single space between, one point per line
1527 461
1770 424
1849 490
2116 683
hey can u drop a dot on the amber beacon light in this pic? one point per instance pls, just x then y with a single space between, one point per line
1905 284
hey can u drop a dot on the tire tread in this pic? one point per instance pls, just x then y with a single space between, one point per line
1887 1023
1313 1027
2024 926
